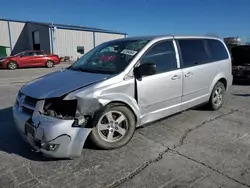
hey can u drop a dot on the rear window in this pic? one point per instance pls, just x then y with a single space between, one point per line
217 50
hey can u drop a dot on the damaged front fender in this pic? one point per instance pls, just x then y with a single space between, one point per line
91 99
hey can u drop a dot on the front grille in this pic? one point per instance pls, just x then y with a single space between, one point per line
30 101
27 110
26 104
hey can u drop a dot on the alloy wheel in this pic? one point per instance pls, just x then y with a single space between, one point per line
112 126
50 64
12 65
218 96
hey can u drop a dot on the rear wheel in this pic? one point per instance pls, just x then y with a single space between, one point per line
49 64
12 65
217 96
114 127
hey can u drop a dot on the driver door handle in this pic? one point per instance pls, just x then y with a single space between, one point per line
176 77
189 74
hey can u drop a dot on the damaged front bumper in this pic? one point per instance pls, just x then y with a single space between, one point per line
53 137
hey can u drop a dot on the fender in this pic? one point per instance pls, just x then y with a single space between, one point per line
215 80
92 98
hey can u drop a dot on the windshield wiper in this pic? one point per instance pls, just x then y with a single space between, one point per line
100 71
73 68
89 70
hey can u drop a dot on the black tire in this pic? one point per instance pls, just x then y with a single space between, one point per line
212 104
49 64
97 137
12 65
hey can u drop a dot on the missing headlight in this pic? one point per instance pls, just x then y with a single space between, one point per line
63 109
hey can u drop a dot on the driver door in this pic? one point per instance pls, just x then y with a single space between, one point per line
159 95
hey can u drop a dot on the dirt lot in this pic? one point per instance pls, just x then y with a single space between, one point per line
196 148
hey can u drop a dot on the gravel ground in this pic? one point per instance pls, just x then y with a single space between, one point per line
196 148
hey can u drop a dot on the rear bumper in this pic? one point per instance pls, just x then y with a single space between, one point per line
53 137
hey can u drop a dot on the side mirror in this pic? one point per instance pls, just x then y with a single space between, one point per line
146 69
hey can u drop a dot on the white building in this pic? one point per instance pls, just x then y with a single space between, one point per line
60 39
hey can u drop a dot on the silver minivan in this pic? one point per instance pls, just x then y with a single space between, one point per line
118 86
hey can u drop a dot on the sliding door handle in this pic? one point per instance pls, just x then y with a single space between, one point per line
189 74
176 77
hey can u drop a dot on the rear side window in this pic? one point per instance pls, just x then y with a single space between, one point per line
193 52
217 50
40 53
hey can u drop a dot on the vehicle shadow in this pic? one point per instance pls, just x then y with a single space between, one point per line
241 95
11 141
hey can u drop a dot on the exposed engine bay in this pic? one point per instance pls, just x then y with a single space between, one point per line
66 110
60 109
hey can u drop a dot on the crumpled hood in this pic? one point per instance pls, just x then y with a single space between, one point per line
59 83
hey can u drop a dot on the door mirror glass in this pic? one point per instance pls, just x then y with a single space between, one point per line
145 69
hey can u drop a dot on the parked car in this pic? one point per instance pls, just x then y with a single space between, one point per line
241 62
108 56
30 59
150 78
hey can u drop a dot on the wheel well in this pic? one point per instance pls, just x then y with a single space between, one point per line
224 81
117 103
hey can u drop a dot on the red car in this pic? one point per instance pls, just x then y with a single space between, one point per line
30 59
108 56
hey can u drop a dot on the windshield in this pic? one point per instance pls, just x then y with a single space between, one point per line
110 57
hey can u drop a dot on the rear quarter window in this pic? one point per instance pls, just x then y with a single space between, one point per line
217 50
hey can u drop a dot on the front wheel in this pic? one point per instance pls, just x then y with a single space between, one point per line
12 65
114 127
217 96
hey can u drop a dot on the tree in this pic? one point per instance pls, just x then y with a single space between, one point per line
232 40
